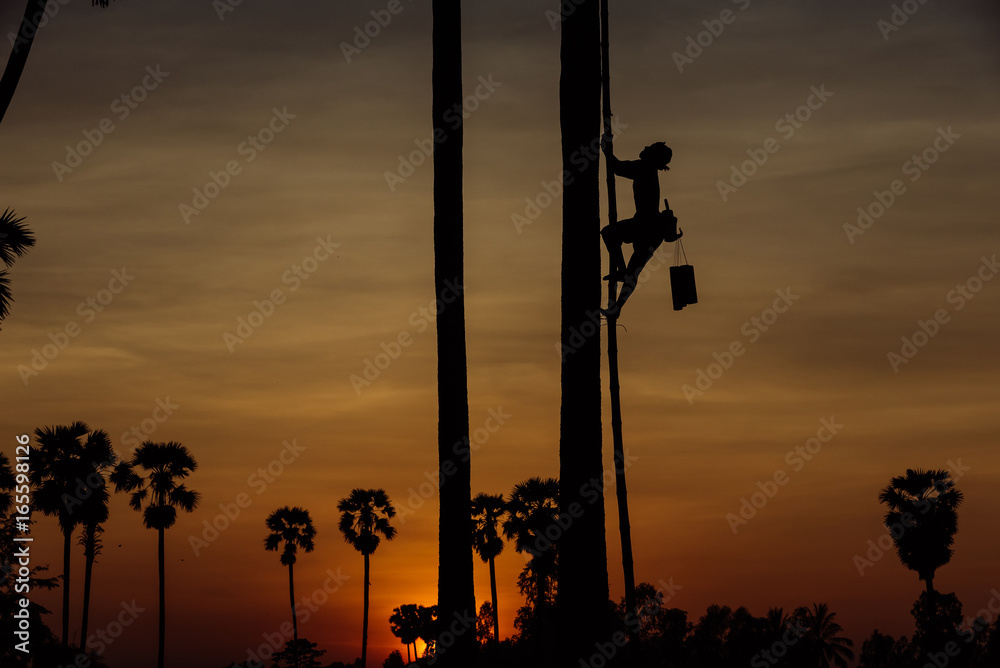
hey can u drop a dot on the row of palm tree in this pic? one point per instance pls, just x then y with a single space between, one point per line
809 637
73 468
412 622
364 522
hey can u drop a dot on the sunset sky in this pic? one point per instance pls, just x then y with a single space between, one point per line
321 152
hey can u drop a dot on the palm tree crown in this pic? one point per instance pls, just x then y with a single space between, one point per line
61 470
294 527
923 519
15 240
488 512
162 464
364 519
823 642
532 508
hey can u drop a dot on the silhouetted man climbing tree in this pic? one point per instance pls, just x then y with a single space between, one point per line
648 228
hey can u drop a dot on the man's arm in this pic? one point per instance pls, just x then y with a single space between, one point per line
627 168
630 169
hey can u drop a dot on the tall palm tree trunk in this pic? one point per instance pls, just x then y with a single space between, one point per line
493 591
67 548
456 594
583 570
88 548
621 489
163 605
364 622
19 54
295 623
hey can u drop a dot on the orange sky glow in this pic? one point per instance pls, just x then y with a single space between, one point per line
245 259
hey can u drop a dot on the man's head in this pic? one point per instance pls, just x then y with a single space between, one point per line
658 154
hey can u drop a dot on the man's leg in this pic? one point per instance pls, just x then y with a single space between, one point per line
616 263
641 253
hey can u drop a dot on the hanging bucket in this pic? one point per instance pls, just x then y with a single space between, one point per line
682 285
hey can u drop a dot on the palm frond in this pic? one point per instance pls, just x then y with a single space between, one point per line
15 237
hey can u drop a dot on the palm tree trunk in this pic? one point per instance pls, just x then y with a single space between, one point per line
67 543
33 12
408 652
493 591
364 623
163 606
88 570
295 624
583 570
456 593
621 490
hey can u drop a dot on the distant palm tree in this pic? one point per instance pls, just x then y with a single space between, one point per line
100 458
33 12
15 240
90 539
405 624
60 466
488 512
364 521
532 508
7 483
151 476
429 629
294 528
823 643
923 520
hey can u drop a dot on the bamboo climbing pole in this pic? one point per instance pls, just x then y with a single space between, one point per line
616 407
